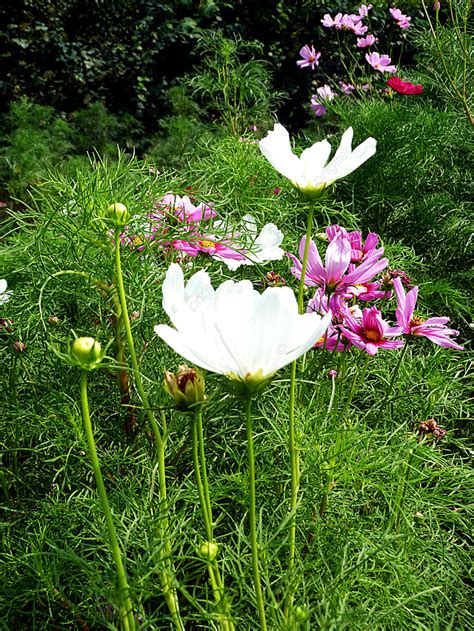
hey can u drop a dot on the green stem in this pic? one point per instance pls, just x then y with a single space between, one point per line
200 469
126 609
159 445
252 516
294 452
392 380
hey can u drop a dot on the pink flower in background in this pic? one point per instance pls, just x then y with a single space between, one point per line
329 22
347 88
310 57
324 94
403 21
404 87
355 25
380 62
364 10
434 329
182 209
372 332
359 251
365 42
436 5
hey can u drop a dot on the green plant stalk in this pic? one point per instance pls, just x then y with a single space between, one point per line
126 609
159 445
199 461
402 489
253 516
392 380
294 453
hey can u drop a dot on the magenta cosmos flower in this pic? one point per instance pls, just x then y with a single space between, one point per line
310 57
372 332
336 274
403 21
434 329
380 62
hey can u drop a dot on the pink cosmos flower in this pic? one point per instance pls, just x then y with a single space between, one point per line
347 88
332 275
404 87
364 10
329 22
403 21
310 57
434 329
380 62
182 209
372 332
365 42
324 94
436 5
359 250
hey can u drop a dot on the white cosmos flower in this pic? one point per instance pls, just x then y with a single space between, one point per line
4 294
310 173
234 330
259 248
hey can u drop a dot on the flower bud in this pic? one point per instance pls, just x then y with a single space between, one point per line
19 347
186 387
86 352
208 550
118 213
301 614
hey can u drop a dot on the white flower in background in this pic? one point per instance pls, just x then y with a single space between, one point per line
256 248
4 294
234 330
310 173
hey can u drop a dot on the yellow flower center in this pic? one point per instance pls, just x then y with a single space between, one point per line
416 321
137 241
321 340
372 335
207 244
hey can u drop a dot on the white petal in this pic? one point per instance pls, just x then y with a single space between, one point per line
276 147
313 161
180 345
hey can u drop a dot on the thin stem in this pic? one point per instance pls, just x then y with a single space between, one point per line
199 460
159 446
126 610
392 380
252 516
294 452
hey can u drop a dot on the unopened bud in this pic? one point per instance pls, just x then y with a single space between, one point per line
134 315
53 320
301 614
186 386
86 351
208 550
19 347
119 213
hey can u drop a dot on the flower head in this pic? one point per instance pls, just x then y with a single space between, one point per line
234 330
371 333
403 21
380 62
404 87
365 42
310 57
310 173
434 329
364 10
4 294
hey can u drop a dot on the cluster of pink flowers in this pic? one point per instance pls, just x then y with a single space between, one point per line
351 274
175 223
347 22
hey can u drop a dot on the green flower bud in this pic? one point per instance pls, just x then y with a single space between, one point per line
118 213
86 352
186 387
301 614
208 550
